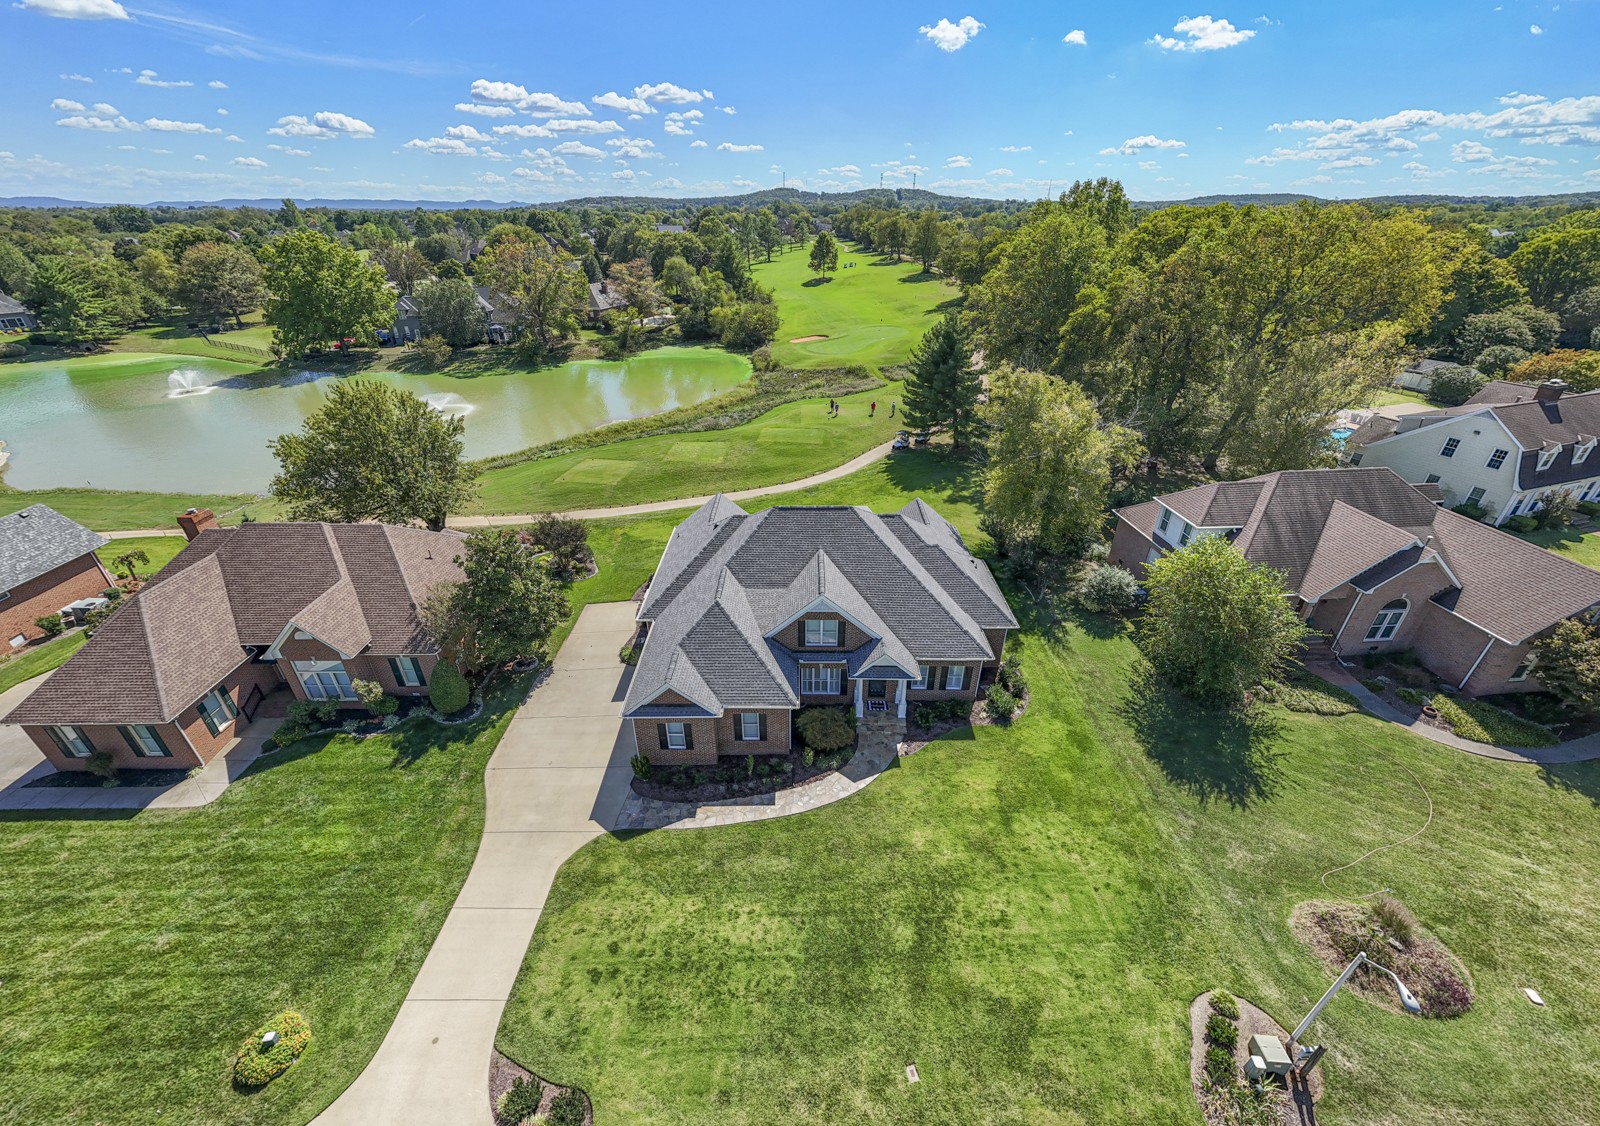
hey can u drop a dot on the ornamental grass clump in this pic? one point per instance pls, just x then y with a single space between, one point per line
257 1065
569 1108
521 1100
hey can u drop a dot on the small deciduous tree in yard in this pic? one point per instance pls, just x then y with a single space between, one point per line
567 541
942 392
1454 384
373 452
1569 665
319 290
1051 461
1215 624
434 352
824 255
504 609
128 560
448 307
220 279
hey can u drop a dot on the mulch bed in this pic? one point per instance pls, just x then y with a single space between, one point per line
799 774
73 779
1295 1104
503 1072
1428 967
977 716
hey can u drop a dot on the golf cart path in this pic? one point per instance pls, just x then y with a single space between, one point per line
555 782
876 453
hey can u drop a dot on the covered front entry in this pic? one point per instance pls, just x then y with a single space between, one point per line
882 696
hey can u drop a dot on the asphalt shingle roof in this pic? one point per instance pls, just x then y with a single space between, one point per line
728 580
37 540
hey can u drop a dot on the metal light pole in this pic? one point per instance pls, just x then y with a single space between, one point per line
1411 1004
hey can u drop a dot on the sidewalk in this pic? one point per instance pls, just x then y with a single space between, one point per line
555 782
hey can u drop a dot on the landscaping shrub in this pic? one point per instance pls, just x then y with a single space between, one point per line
1396 918
1107 588
370 693
1001 704
52 624
1485 723
314 713
1589 507
1453 385
1221 1031
1225 1005
1424 965
1375 684
1559 509
434 351
1219 1066
761 358
1011 676
641 766
112 594
94 618
569 1108
1523 524
1471 511
1301 691
102 763
1410 696
10 349
826 729
567 541
521 1101
255 1067
628 655
449 692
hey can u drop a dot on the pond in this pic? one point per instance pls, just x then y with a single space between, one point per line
174 423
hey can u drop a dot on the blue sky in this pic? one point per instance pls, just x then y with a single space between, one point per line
135 100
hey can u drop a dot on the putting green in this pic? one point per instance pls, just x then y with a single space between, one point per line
598 471
706 453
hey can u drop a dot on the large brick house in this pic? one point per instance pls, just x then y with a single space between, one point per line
179 669
47 562
750 617
1379 565
1505 449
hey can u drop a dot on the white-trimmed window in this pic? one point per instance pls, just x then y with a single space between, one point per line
1580 454
1475 496
71 741
1431 479
1451 445
1184 535
324 680
821 680
922 678
1497 459
144 740
1388 620
1355 458
752 727
1166 520
955 678
1516 507
1520 673
407 672
1546 457
675 736
822 632
217 710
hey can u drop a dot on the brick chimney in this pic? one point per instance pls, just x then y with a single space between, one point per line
196 520
1550 390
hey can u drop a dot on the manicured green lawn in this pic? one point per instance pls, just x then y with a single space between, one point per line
108 510
1025 913
140 951
160 549
175 338
1391 395
871 311
1569 542
35 660
787 443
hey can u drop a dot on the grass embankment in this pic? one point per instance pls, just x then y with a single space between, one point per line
36 660
872 311
1569 542
108 510
140 950
1026 912
160 549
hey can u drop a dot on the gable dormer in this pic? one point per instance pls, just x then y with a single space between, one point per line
1583 448
1547 455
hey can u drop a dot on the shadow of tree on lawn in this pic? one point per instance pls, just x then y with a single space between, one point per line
1578 777
1220 754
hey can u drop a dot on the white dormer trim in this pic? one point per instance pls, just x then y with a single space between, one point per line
1580 452
822 604
1547 457
274 651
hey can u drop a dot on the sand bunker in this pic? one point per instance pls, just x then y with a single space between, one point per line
806 339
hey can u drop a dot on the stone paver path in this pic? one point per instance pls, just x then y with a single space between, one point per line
555 782
21 763
874 757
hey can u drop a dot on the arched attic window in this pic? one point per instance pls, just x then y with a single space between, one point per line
1387 622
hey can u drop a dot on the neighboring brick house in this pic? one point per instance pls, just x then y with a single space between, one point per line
47 562
750 617
1378 565
1505 449
171 677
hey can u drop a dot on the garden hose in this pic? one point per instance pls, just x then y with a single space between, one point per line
1385 847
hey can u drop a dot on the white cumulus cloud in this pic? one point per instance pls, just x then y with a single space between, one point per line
697 144
1076 37
1202 33
217 84
98 123
76 78
249 162
613 100
322 126
729 146
578 148
1016 148
148 78
485 111
949 36
66 105
670 94
1535 29
1139 144
163 125
534 103
467 133
76 9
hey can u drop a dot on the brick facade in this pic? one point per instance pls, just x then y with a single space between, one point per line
776 742
647 737
793 636
367 666
1130 548
39 597
967 691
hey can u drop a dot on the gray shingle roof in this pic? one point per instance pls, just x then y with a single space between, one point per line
728 580
10 306
37 540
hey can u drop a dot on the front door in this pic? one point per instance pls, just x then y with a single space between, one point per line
877 692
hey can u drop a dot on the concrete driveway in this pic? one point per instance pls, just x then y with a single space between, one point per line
20 760
556 781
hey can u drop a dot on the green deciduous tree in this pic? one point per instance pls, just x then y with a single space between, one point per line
544 297
505 608
927 237
1555 264
16 272
221 279
321 291
1050 464
403 265
824 255
448 307
1216 625
1032 285
157 273
943 389
69 304
373 452
1569 665
1520 326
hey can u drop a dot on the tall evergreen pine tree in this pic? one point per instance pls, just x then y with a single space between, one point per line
942 392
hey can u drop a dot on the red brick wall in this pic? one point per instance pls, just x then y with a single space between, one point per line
967 692
648 739
364 667
81 578
997 645
1130 547
729 743
793 635
108 738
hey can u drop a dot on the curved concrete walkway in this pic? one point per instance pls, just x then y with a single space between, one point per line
556 781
